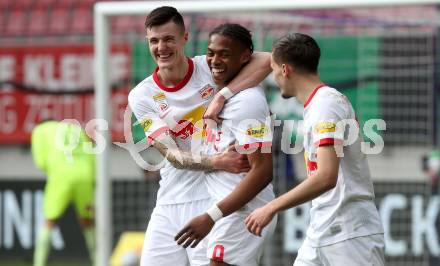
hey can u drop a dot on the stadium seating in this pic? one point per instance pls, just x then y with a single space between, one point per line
16 23
30 18
5 5
22 4
67 3
3 16
46 3
46 18
38 21
82 21
122 23
59 21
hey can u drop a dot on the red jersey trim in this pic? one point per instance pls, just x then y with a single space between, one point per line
255 145
327 141
313 94
181 84
157 133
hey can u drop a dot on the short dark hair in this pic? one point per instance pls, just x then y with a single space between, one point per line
299 50
163 15
236 32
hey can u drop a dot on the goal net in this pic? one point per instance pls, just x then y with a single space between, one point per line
381 54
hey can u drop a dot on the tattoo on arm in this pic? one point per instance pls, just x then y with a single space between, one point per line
182 159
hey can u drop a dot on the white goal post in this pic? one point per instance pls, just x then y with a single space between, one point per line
104 10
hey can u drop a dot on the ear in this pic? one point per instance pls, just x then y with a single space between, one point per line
186 36
245 56
286 70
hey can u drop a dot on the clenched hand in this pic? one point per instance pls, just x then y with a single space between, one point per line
214 108
232 161
194 231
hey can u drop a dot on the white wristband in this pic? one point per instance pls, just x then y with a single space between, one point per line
215 213
226 92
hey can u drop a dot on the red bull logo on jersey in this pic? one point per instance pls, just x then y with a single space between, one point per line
184 129
190 125
161 101
206 92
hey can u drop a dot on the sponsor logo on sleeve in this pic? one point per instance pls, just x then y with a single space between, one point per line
161 101
206 92
146 124
257 132
325 127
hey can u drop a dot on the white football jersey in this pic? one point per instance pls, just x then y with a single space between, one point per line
247 123
348 210
178 110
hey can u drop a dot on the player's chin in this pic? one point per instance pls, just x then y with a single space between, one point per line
218 79
164 63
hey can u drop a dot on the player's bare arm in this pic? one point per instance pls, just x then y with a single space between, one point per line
250 76
230 160
322 181
259 176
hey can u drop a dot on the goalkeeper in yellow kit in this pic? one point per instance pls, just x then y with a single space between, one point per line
58 149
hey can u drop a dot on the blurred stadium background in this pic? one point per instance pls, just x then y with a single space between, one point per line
385 59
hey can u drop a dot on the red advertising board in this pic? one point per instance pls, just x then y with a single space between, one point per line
42 82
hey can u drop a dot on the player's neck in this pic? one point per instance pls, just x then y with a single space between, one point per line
306 86
171 76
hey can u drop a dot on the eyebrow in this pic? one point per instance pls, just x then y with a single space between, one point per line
220 50
163 37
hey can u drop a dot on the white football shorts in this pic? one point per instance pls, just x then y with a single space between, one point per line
230 241
359 251
165 222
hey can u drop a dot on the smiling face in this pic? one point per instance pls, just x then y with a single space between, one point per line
166 44
225 58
